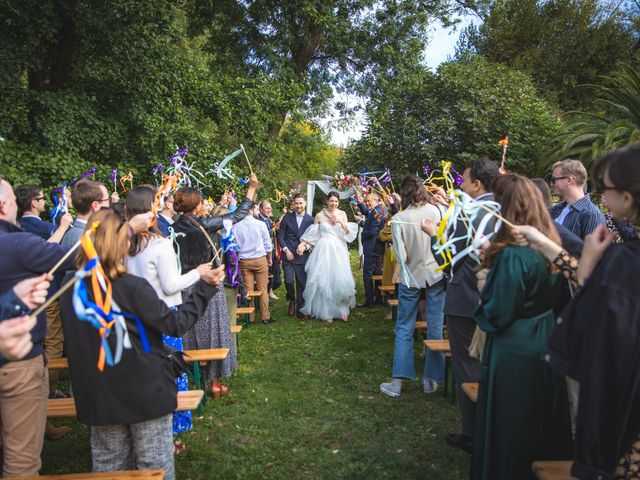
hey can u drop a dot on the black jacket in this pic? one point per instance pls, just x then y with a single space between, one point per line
289 236
25 255
372 225
141 387
195 248
597 343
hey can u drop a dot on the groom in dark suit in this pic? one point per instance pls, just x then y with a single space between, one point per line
293 226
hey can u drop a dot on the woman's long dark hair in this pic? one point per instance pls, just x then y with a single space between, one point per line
624 172
521 204
412 192
140 200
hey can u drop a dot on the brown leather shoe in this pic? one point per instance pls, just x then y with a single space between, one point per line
302 316
55 433
291 311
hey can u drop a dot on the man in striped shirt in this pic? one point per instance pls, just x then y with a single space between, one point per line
576 212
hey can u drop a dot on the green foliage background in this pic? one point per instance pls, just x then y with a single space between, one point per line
119 84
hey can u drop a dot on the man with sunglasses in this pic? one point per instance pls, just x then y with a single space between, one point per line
31 203
576 212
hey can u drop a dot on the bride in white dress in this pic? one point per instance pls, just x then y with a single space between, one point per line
330 291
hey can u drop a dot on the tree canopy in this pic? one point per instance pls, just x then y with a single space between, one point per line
458 113
562 44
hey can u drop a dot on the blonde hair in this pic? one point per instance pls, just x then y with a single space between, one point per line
572 168
111 241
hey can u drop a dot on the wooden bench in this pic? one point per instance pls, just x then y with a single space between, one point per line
387 290
471 390
58 363
246 311
421 325
66 407
200 358
444 347
189 356
255 296
552 470
235 329
439 346
140 474
393 303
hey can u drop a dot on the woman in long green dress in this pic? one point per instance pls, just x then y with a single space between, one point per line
522 412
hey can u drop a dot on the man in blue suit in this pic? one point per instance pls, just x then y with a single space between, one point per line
292 228
372 209
31 204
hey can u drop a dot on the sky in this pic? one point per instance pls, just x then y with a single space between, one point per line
441 46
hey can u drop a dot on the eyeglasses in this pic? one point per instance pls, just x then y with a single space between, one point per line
37 199
555 179
601 187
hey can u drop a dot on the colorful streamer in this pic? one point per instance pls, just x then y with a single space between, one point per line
190 176
103 313
505 143
231 248
477 217
113 176
126 178
221 169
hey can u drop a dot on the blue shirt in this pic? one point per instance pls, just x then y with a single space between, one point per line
252 237
583 216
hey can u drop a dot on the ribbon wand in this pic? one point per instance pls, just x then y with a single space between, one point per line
55 296
114 178
504 142
71 250
247 158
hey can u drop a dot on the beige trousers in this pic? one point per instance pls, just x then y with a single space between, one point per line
256 270
54 341
24 387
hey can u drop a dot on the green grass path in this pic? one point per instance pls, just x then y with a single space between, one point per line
305 403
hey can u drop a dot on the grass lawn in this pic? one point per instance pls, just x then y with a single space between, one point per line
305 403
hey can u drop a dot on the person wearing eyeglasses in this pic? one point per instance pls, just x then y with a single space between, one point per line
576 211
31 203
596 340
88 196
24 383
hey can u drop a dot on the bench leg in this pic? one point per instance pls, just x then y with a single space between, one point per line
200 380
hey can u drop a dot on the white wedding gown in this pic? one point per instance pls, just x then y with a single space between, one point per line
330 291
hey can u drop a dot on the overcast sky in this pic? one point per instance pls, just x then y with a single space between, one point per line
442 45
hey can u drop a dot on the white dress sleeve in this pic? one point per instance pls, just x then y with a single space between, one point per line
353 232
311 234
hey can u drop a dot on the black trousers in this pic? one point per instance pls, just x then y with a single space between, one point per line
371 266
275 278
294 271
465 368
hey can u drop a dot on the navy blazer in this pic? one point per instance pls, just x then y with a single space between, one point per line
37 226
289 235
25 255
163 225
372 226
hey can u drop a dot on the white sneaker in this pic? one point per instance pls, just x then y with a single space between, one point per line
390 389
273 295
430 386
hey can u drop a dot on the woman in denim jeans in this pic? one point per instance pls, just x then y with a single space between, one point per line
418 273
